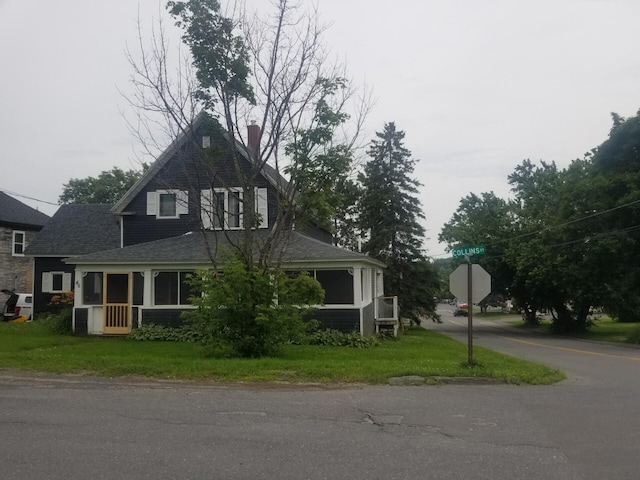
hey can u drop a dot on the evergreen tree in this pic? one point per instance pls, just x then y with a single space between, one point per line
390 212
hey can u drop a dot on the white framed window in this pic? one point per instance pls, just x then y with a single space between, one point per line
167 203
19 243
56 282
222 208
171 288
92 288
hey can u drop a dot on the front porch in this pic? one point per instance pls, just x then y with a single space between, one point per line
113 302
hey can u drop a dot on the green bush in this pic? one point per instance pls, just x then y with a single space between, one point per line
154 332
60 323
335 338
386 335
248 312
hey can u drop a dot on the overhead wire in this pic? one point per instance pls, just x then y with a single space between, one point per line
563 224
15 194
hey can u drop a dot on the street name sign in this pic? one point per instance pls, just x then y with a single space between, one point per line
469 251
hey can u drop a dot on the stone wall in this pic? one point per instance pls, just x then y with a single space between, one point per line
16 272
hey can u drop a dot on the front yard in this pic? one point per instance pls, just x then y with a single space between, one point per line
419 352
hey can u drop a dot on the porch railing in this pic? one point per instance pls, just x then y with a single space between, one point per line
116 320
386 314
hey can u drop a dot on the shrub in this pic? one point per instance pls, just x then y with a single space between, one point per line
387 335
335 338
60 323
248 312
154 332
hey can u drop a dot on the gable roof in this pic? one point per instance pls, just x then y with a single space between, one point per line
77 230
270 173
14 212
194 248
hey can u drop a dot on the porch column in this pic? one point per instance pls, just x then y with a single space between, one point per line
147 297
357 286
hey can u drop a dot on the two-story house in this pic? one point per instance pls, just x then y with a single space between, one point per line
184 214
19 224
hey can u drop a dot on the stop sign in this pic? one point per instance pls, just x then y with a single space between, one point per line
480 283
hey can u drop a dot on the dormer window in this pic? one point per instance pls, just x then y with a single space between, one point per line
167 203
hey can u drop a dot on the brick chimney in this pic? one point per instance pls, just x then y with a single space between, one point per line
253 138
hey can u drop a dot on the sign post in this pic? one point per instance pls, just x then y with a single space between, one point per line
471 282
469 311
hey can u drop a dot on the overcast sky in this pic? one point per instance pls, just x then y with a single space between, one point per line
477 86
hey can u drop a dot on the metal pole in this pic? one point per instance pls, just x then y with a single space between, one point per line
470 310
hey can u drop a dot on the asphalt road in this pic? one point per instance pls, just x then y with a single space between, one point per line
88 428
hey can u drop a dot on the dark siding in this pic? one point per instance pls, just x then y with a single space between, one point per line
185 172
344 320
47 264
166 318
81 321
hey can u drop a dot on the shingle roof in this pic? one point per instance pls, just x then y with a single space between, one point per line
194 248
270 173
77 230
14 212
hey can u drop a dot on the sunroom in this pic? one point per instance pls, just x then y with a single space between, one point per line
126 288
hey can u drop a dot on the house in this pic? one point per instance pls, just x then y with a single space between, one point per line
73 230
19 224
185 212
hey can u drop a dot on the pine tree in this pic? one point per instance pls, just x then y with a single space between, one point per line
390 213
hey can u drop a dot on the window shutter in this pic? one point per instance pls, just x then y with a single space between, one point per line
206 209
47 282
182 200
66 282
152 200
262 208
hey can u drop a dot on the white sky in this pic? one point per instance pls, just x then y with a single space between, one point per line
477 85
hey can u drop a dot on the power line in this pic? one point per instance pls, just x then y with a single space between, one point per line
28 198
569 222
564 224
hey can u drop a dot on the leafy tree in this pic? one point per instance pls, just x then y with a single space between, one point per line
108 187
569 236
484 220
444 267
274 70
560 259
345 221
390 212
615 187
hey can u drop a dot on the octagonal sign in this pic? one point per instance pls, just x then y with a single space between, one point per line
480 283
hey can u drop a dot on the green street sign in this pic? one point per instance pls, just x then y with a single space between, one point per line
469 251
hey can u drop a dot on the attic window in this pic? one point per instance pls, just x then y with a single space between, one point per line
167 203
206 142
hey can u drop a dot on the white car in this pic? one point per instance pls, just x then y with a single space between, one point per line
17 305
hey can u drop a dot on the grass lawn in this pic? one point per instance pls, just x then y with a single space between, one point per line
607 330
30 346
604 329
